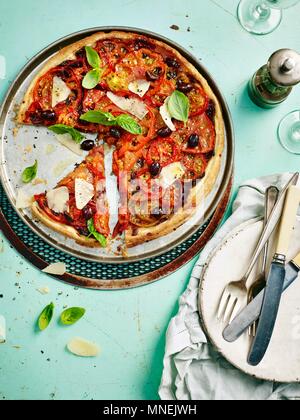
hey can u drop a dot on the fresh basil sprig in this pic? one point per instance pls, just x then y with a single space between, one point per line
63 129
71 315
46 317
29 173
179 106
129 124
125 121
93 77
93 57
100 238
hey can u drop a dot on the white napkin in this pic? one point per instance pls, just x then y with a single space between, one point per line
193 370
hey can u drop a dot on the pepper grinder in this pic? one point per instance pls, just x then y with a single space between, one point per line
272 83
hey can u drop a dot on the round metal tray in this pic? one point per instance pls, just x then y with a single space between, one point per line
100 275
154 251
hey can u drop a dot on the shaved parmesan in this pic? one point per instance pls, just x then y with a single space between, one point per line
84 192
58 199
58 269
44 290
23 200
67 141
166 116
83 348
2 329
60 91
139 87
132 105
169 174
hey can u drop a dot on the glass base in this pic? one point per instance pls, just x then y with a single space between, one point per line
258 18
289 132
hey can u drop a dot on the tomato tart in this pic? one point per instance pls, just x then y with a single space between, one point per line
152 109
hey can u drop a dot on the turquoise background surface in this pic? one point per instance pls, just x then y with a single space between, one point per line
128 325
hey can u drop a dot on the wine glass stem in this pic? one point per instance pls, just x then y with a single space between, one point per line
262 11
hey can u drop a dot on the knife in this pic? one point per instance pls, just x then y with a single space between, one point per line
274 288
251 313
272 222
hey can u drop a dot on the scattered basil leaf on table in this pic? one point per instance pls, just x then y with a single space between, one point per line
46 317
92 78
179 106
30 173
93 57
125 121
63 129
71 315
100 238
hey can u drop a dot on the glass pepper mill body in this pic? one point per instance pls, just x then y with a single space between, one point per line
272 83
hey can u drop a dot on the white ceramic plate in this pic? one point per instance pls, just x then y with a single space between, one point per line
228 263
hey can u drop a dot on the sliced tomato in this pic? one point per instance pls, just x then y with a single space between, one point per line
164 151
204 128
101 223
198 101
111 52
66 112
195 165
93 98
95 162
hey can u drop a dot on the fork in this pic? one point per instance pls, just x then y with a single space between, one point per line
235 295
259 283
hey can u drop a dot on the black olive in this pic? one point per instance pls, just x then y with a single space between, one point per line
184 87
75 64
171 75
115 132
80 53
133 176
140 162
68 217
87 145
211 110
209 155
164 132
65 74
48 115
36 117
157 212
142 43
110 46
193 141
153 75
83 231
88 212
172 62
155 168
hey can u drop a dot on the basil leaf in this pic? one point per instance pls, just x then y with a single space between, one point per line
93 57
29 173
46 317
100 238
179 106
71 315
99 117
125 121
92 78
63 129
129 124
